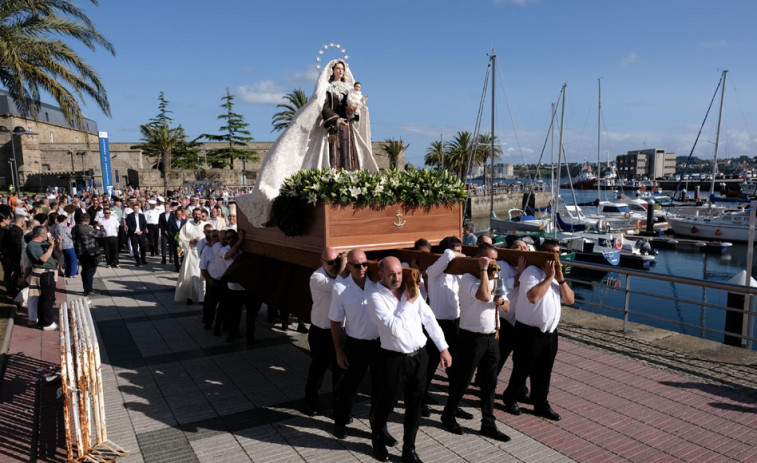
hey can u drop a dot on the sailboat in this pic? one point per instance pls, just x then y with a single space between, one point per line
729 225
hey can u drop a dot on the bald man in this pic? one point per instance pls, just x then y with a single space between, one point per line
321 345
400 317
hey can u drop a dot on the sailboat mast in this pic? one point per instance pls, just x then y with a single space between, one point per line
717 135
491 186
599 129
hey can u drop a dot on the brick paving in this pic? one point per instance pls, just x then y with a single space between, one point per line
175 392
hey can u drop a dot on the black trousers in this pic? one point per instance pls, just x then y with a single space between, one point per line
12 271
110 244
231 311
534 355
168 248
323 357
506 342
400 372
45 307
474 351
138 247
362 354
153 238
449 328
88 269
213 296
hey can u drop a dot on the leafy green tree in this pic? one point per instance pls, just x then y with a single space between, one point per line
484 149
435 155
169 145
393 148
282 119
35 57
459 152
234 135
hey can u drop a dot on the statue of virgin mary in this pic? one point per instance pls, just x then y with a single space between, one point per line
319 136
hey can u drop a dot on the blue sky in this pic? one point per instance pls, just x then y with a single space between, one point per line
423 63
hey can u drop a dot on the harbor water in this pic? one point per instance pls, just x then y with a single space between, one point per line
690 262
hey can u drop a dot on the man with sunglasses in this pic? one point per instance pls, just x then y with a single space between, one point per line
361 345
321 345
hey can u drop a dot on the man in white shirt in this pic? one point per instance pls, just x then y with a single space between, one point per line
349 309
444 301
152 215
400 317
319 339
510 279
477 345
542 291
111 225
234 295
211 273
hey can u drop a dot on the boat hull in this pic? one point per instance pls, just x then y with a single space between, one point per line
710 228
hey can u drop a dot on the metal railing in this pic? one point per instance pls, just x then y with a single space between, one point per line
747 311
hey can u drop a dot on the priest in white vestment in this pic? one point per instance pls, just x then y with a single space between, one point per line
190 284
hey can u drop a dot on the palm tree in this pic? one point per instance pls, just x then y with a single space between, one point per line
34 56
282 119
163 140
435 155
393 148
459 153
484 149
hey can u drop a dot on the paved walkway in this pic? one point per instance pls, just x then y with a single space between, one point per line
175 392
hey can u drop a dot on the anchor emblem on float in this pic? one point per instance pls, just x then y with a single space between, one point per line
400 222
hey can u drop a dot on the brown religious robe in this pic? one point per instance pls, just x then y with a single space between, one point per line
342 148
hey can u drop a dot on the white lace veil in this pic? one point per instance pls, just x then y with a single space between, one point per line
303 145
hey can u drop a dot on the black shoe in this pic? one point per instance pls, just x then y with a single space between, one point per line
463 415
208 326
494 433
389 440
163 262
450 424
302 329
340 431
310 410
548 413
524 397
231 337
189 301
115 265
251 342
91 293
425 412
512 408
409 456
284 326
379 448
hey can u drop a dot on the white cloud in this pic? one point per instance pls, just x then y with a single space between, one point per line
714 44
305 79
629 60
264 92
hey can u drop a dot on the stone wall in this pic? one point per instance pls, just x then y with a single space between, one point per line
503 202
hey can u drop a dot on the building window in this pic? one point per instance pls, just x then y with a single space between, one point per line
76 139
47 117
46 167
52 138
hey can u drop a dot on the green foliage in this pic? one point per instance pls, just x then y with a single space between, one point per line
34 56
282 119
234 134
393 148
169 145
435 154
411 188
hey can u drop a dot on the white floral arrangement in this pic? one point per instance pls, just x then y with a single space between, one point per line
411 188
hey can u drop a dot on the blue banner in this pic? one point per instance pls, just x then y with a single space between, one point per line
105 163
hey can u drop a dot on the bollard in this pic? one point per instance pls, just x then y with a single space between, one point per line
734 321
650 216
696 193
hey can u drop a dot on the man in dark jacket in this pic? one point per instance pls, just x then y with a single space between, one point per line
87 250
136 230
174 225
11 253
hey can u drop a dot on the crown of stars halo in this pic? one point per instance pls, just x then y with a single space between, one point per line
326 48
